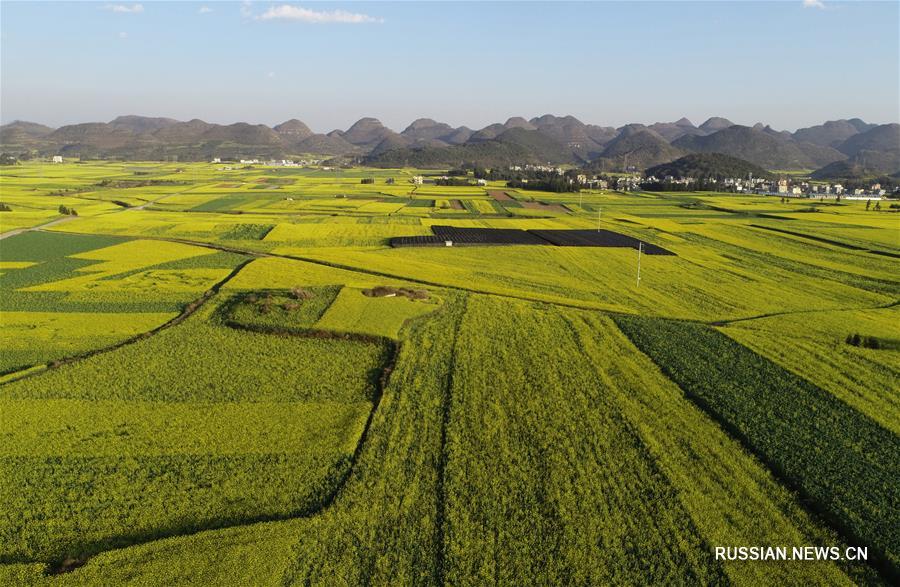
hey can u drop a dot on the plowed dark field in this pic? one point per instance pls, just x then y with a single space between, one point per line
596 238
461 237
487 236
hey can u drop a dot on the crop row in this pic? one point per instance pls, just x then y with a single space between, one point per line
843 462
385 527
71 506
582 465
546 482
31 338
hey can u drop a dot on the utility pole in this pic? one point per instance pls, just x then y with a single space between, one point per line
640 250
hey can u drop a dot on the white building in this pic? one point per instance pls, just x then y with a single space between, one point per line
57 159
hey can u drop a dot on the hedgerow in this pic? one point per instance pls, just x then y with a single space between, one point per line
203 361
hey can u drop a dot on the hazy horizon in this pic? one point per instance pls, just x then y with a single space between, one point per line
401 127
330 64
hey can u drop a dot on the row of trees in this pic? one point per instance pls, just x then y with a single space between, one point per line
532 179
451 181
558 184
868 342
698 185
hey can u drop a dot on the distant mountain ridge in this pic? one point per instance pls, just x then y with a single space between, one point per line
639 147
762 147
849 146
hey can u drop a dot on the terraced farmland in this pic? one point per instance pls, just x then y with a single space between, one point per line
234 378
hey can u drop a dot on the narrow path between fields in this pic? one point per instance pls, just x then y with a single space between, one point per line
56 221
53 222
185 313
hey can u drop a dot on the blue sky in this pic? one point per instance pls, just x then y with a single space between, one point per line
790 64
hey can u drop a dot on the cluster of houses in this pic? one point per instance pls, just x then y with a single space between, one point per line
750 185
420 180
275 162
529 167
781 187
592 183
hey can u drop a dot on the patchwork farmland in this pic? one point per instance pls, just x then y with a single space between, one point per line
261 376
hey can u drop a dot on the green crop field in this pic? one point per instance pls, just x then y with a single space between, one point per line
217 375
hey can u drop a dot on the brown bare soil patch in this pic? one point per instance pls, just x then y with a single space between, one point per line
500 196
558 208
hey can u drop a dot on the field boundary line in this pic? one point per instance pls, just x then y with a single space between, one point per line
55 221
393 353
828 241
333 265
446 409
565 304
318 506
812 505
181 317
17 231
633 427
718 323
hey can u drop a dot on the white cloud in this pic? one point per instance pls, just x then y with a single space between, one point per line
204 10
246 9
125 9
270 75
813 4
300 14
123 35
